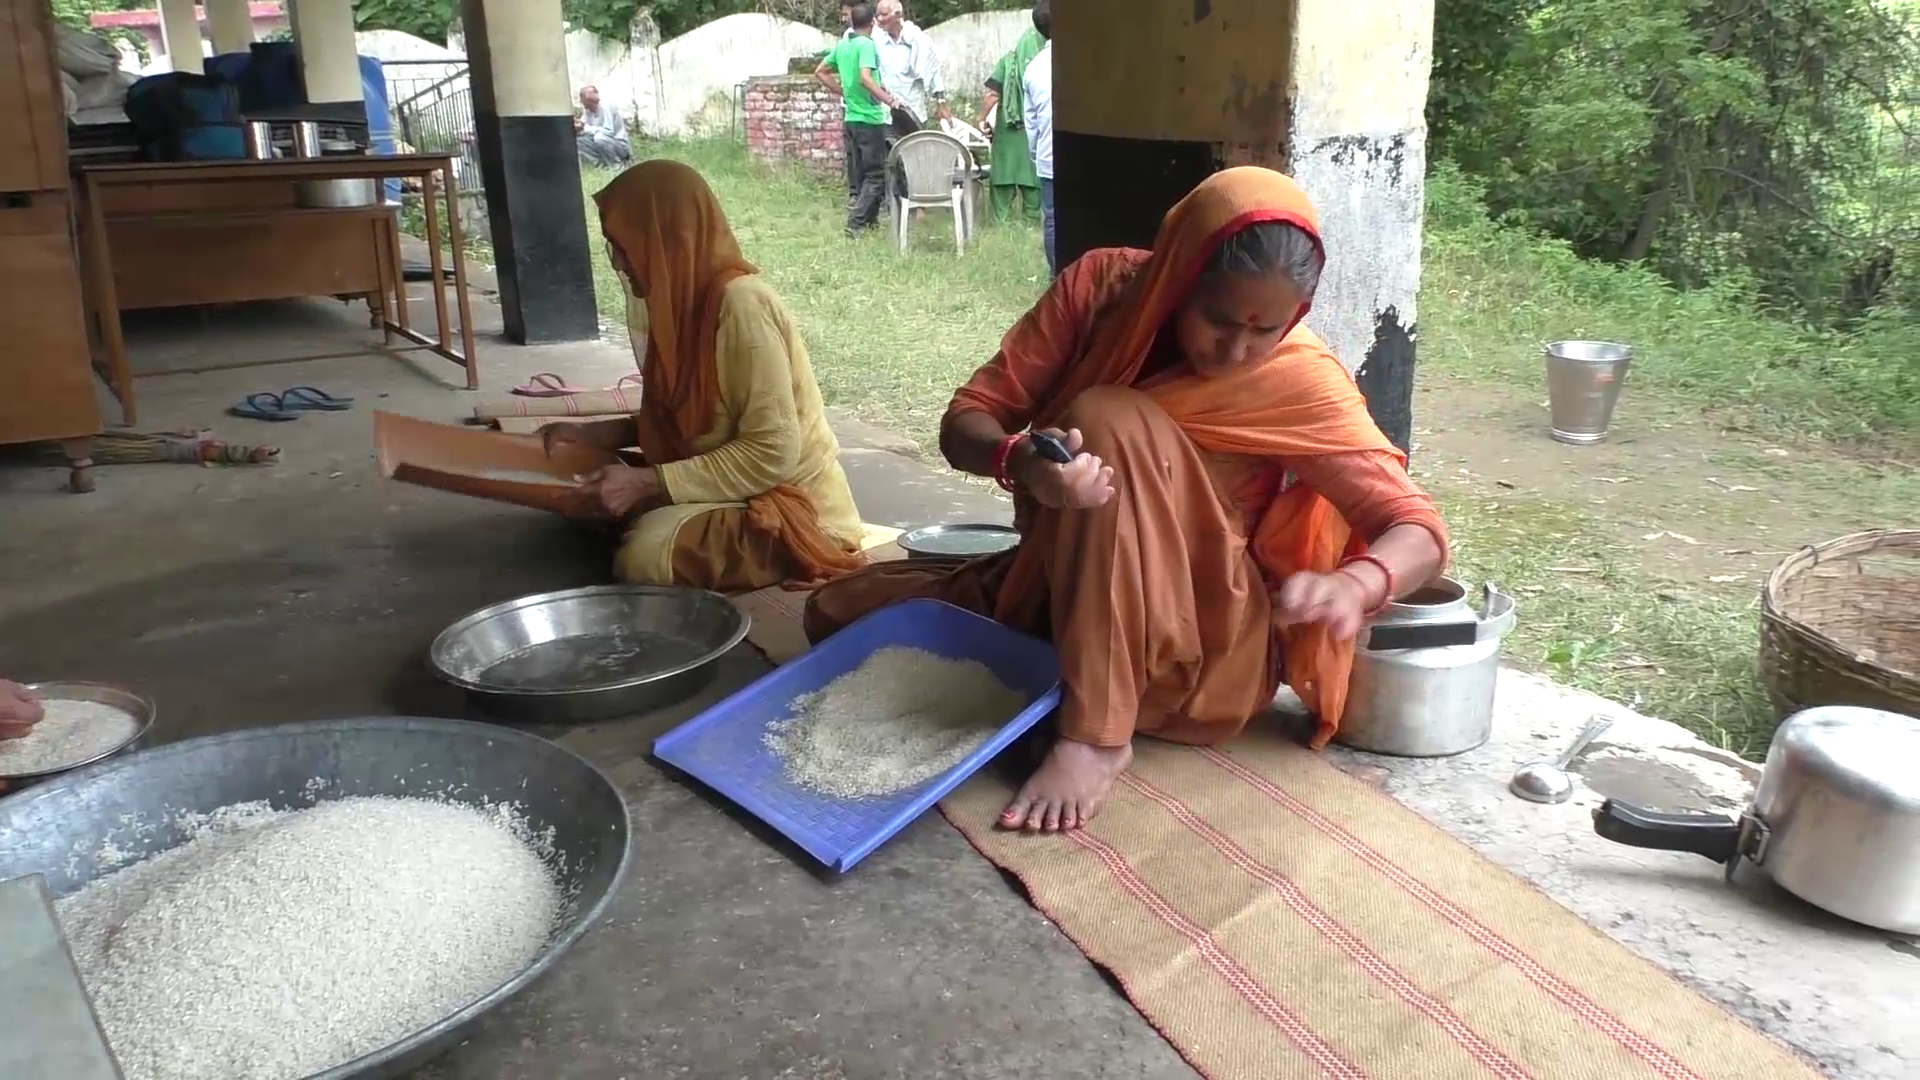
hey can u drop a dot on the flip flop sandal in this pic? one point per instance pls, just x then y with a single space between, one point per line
545 384
263 407
312 399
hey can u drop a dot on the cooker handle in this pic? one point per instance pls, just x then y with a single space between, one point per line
1711 835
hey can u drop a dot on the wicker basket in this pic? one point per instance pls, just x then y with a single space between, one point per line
1840 624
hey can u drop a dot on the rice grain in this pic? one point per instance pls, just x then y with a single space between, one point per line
898 720
71 732
276 944
525 476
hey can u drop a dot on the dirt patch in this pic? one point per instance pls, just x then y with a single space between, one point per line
1693 504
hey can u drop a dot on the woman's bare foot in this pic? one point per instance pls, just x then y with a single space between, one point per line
1066 791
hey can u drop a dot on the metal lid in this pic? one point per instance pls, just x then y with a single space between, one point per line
1868 754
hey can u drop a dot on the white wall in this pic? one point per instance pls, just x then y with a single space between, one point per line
970 46
685 86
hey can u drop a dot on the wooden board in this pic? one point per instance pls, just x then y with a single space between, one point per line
48 383
179 260
33 123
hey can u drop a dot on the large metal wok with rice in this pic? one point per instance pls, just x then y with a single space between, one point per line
131 806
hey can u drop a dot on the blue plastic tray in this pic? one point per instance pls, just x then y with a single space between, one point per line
724 747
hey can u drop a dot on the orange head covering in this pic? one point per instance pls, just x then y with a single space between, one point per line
666 223
1300 402
670 229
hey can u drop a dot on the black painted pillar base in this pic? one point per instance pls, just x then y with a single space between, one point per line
542 251
1386 378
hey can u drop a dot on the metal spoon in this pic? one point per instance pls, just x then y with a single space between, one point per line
1547 781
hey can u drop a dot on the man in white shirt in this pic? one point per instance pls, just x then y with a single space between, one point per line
909 69
600 133
1037 83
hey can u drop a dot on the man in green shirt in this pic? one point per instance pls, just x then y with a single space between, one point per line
851 70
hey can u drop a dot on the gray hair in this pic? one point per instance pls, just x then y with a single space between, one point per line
1269 248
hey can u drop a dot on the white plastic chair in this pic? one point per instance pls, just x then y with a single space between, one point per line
939 173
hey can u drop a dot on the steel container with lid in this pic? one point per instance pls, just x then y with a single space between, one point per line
1431 700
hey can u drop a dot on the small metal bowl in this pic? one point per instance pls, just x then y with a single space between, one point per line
134 705
969 541
588 654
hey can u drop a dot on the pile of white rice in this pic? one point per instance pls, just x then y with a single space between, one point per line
277 944
71 732
898 720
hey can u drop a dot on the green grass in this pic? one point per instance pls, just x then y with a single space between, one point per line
892 337
1592 619
1492 295
889 337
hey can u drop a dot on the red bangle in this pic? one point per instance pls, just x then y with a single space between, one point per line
1001 456
1386 597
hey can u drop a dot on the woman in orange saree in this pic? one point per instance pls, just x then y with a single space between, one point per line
1231 515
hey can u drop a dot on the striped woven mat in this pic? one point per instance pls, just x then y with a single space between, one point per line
1276 918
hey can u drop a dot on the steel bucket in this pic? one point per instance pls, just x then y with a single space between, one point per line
1583 385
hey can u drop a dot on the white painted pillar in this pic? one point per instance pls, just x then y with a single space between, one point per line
323 34
180 33
1359 147
1332 92
524 56
523 120
229 25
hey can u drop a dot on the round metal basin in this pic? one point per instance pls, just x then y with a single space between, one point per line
132 804
134 705
957 541
588 654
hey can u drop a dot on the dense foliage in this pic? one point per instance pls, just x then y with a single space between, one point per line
1762 147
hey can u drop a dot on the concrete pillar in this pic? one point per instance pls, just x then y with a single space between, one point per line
523 120
329 61
1332 92
229 25
180 33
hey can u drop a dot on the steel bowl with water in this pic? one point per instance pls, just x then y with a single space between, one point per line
590 653
132 806
135 705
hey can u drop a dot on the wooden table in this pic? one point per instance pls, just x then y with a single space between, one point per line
276 233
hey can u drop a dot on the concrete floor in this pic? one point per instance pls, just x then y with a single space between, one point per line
239 597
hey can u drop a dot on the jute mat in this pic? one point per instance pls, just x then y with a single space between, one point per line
1275 918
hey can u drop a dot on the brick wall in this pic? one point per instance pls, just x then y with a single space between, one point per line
793 119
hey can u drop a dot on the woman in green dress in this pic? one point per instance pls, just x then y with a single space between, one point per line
1013 177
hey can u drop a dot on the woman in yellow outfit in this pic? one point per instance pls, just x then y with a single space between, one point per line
741 486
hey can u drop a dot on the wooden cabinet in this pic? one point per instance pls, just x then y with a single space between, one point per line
46 365
44 368
33 118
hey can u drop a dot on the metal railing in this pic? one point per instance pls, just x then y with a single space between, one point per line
432 106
